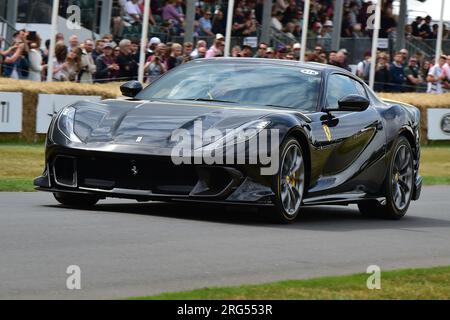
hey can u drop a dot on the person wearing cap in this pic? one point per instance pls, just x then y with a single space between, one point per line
153 43
216 50
327 30
156 65
296 48
106 67
270 53
281 52
328 24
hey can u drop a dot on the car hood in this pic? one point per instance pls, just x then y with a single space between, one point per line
152 123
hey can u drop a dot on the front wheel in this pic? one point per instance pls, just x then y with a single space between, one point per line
75 200
289 182
398 185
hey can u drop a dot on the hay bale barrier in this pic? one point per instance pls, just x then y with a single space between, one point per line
422 101
31 91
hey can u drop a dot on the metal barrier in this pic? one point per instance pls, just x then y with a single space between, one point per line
6 31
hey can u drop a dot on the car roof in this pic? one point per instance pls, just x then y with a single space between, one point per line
311 65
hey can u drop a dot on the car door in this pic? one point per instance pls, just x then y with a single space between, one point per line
348 142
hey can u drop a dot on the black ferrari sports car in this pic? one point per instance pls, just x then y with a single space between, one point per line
276 134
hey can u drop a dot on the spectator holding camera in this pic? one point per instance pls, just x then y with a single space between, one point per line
156 64
14 61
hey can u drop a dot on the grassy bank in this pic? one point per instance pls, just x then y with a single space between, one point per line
21 163
430 283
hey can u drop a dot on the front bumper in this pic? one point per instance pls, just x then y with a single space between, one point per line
150 178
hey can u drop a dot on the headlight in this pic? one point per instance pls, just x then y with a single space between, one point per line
77 124
65 123
240 134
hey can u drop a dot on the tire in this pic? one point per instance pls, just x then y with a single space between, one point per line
289 182
398 185
75 200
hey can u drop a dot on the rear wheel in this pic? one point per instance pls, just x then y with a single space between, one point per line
75 200
398 185
289 183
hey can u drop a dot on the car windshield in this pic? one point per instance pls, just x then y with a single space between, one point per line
262 84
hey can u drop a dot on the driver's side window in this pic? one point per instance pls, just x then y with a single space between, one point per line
339 86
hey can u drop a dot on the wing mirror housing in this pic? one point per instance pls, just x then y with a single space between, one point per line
353 102
131 88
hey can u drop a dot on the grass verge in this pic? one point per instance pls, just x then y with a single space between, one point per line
20 163
17 184
427 283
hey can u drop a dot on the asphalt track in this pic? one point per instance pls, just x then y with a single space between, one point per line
127 249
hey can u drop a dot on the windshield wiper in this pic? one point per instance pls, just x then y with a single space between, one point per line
211 100
276 106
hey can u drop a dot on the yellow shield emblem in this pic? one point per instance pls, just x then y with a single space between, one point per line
327 131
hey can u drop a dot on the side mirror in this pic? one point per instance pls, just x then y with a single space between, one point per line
131 88
353 102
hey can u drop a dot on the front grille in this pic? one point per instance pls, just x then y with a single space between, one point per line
158 175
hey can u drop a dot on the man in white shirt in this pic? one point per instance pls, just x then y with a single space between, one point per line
436 76
133 11
447 73
276 20
200 44
88 66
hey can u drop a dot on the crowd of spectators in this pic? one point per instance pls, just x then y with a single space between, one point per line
117 59
168 16
104 60
407 73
